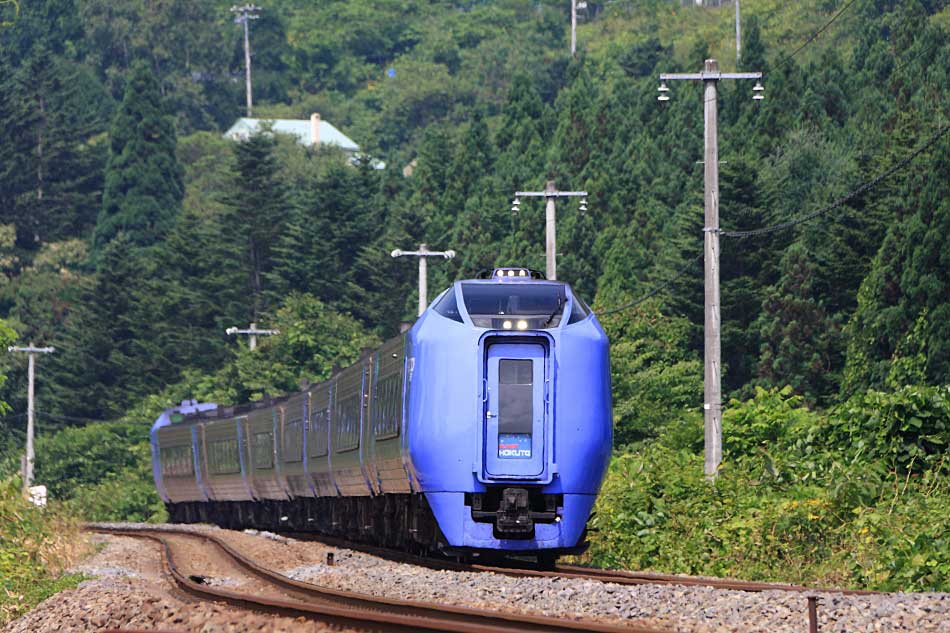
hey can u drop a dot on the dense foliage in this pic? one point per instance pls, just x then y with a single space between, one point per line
35 547
855 497
132 234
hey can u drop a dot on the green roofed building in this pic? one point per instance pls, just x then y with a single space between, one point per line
313 133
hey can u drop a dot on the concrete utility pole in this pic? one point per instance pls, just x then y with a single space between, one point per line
422 254
712 405
253 333
738 35
573 27
550 194
28 462
241 16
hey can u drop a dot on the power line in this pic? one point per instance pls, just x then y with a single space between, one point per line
864 188
72 418
814 36
656 290
867 186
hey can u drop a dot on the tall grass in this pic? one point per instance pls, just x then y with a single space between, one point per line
37 545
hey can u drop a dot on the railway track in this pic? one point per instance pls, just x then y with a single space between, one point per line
279 594
620 577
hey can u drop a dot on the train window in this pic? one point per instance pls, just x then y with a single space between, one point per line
177 461
508 306
386 411
293 441
262 450
515 396
347 421
579 310
223 457
448 306
318 433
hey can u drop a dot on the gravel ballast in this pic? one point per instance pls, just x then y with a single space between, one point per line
127 590
679 608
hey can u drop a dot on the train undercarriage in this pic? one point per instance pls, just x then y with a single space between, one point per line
394 521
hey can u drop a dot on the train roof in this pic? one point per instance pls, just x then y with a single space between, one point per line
192 412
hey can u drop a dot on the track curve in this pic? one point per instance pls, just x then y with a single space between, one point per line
350 609
617 576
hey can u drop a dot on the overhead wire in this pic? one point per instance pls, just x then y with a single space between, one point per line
656 290
864 188
72 418
785 60
814 36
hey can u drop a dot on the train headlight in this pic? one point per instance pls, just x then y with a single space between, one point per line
506 325
522 325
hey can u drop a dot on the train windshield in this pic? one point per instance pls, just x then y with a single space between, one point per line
508 306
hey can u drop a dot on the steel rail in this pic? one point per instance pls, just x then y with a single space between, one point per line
617 576
355 609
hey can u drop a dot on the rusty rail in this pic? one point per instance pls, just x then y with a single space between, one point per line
617 576
354 609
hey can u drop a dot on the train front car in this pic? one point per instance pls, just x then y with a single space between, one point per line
509 414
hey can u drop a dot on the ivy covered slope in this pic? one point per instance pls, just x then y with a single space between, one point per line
132 234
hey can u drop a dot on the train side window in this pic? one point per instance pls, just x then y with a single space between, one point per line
318 433
177 461
223 457
448 306
387 408
348 423
293 441
579 310
262 450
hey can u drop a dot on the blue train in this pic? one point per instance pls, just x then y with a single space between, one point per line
485 427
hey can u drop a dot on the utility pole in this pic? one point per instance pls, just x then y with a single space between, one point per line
738 36
550 194
28 462
252 332
422 254
241 16
712 405
573 27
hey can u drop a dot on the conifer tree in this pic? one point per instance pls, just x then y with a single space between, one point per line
94 370
909 282
57 110
800 340
143 182
257 211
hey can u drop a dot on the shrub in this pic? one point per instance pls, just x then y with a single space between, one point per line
36 545
822 499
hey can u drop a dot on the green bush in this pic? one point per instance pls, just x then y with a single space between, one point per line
102 471
86 455
127 495
801 497
36 545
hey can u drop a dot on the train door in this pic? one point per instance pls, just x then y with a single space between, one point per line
515 412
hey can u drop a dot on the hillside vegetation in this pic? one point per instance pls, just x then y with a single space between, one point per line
132 235
35 547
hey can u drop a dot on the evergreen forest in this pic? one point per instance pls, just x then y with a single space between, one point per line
132 234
